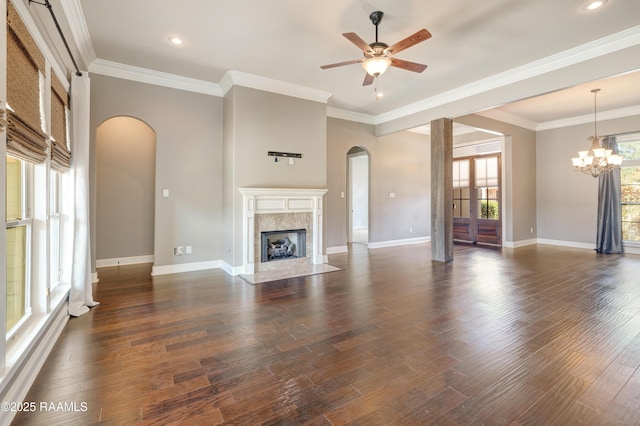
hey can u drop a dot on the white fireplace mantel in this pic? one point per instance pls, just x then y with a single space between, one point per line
280 200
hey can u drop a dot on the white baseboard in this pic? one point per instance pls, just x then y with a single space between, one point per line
393 243
232 270
19 376
573 244
337 249
521 243
186 267
631 250
119 261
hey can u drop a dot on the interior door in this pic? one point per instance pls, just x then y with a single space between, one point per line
477 209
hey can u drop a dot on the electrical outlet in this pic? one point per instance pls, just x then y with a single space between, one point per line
411 229
188 249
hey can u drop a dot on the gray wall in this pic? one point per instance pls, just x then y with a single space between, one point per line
188 127
399 164
257 122
567 201
541 194
125 167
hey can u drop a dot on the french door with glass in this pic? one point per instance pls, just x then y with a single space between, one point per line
476 200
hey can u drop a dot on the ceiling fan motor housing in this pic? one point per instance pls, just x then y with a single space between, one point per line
379 48
376 17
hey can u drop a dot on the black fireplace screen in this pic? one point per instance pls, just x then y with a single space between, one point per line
281 245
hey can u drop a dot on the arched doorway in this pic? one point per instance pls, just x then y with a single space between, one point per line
358 196
125 188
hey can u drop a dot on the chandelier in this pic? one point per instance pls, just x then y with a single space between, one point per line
597 160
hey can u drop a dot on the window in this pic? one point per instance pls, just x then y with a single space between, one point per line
26 142
629 148
18 226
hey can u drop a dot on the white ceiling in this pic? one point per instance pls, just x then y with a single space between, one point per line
288 40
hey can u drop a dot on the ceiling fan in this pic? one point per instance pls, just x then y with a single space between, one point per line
378 55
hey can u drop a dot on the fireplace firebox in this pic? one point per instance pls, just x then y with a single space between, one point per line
283 245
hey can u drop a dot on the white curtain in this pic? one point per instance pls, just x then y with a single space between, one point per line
81 294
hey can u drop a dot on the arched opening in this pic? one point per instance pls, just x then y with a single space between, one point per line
125 188
358 196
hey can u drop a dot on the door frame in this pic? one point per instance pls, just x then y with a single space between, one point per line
357 151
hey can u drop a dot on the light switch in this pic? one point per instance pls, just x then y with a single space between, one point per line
392 195
165 193
291 161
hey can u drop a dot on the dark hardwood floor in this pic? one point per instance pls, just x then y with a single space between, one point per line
538 335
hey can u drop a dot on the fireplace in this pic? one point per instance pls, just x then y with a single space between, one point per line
269 209
283 245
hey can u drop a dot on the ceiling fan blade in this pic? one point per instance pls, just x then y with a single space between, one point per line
407 65
416 38
339 64
355 39
368 79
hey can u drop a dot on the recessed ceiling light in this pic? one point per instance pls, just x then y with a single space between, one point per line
593 5
176 41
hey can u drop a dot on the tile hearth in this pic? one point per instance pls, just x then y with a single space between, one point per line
290 272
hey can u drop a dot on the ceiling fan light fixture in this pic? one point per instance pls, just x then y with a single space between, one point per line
376 65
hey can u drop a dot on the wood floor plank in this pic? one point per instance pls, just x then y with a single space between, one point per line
534 335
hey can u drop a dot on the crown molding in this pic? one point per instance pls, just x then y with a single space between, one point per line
516 120
612 43
230 79
238 78
588 118
144 75
605 45
458 130
74 15
344 114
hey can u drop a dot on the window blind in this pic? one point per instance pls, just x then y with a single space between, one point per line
60 153
25 65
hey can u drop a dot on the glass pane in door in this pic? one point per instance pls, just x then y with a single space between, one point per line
486 183
461 190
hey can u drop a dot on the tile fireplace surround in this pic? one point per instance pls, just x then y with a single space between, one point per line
272 209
